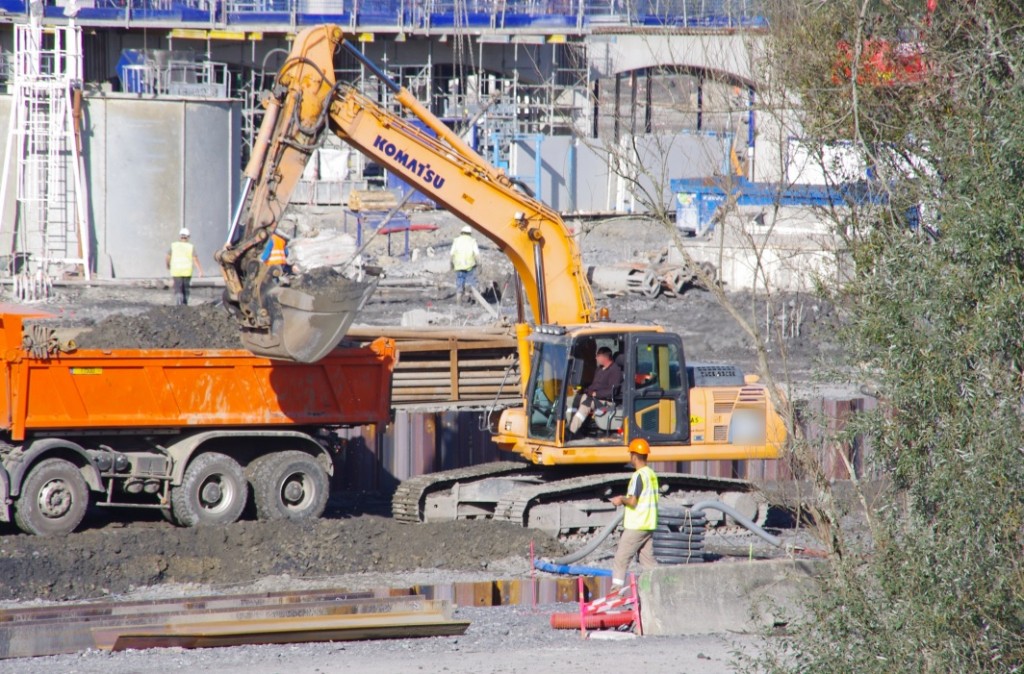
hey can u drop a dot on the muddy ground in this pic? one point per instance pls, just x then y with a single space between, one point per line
116 557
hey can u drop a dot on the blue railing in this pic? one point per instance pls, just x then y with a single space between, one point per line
400 15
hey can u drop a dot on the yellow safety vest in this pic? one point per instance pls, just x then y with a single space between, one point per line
464 252
644 517
182 253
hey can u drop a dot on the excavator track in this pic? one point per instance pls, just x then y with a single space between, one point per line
515 506
408 501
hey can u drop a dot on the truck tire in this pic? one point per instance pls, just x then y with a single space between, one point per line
289 485
212 491
53 500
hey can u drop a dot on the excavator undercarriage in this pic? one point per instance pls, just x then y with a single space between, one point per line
561 501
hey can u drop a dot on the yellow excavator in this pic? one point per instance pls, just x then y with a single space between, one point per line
686 413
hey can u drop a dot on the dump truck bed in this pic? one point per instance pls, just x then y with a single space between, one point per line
123 389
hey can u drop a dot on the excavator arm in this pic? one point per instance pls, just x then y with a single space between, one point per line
285 322
282 317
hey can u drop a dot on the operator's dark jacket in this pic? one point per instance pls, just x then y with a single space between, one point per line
604 382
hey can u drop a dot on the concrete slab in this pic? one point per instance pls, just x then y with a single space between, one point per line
724 596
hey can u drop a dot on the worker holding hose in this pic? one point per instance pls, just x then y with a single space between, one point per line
641 517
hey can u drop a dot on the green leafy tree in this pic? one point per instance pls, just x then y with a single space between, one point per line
936 324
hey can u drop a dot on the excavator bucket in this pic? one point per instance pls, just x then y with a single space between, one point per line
306 324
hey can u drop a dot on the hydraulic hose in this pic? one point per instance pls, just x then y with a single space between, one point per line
592 545
564 564
746 523
740 519
584 551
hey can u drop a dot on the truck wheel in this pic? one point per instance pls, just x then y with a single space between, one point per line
53 499
289 485
212 491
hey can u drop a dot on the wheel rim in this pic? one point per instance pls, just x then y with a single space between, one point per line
216 494
297 491
55 499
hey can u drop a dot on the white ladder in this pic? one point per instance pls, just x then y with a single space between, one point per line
49 236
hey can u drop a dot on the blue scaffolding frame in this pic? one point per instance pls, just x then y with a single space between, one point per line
416 15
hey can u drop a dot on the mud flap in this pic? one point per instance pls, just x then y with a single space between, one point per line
307 324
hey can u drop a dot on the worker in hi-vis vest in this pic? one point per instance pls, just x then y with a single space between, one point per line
465 256
181 260
641 516
275 252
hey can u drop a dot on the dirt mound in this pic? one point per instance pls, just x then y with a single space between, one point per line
110 560
205 326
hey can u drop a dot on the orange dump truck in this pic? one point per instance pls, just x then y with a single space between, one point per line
185 431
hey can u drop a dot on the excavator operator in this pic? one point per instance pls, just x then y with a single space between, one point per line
602 388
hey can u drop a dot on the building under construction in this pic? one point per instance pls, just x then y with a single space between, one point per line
130 119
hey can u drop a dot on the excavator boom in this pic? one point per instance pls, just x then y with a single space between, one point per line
288 318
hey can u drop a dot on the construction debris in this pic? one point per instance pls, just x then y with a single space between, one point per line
484 303
625 278
276 617
325 248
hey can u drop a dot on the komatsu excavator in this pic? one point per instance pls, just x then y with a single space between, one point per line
686 413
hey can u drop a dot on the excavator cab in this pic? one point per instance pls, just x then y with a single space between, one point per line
652 401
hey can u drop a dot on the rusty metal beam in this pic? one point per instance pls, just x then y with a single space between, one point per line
280 617
114 608
139 641
283 631
35 633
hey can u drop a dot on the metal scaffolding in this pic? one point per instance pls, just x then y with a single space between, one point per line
49 235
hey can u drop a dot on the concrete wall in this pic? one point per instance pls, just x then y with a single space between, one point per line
650 162
155 166
789 254
152 167
734 54
724 597
575 175
9 210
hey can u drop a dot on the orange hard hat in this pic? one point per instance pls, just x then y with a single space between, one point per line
639 446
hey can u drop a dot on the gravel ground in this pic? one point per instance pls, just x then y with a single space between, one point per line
502 640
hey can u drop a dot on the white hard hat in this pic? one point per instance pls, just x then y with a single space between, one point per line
184 232
467 230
